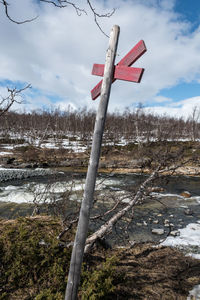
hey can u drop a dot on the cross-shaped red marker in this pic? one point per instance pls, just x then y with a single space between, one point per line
122 69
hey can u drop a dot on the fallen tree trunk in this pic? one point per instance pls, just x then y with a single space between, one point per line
106 228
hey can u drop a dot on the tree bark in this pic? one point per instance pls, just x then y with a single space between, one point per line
81 234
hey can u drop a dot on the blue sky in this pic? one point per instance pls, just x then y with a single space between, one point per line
55 53
189 10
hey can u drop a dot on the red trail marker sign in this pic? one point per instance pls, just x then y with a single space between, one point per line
122 70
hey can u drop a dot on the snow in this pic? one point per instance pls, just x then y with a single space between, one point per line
11 147
4 153
189 236
194 294
196 256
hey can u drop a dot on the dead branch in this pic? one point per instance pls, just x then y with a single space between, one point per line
106 228
6 4
62 4
14 94
97 15
75 221
107 212
65 3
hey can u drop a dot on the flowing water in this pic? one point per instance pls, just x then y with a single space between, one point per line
159 210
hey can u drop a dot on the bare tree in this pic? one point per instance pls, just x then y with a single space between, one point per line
14 96
80 123
194 119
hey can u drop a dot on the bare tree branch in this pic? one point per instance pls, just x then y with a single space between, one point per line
75 221
6 4
65 3
14 94
97 15
62 4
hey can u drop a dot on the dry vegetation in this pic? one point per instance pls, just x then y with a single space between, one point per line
34 266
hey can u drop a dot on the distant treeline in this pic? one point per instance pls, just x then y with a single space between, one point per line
130 125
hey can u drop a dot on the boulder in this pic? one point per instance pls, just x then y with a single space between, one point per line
175 233
155 222
156 189
186 194
158 231
188 212
139 224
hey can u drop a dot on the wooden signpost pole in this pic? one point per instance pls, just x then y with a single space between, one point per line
82 230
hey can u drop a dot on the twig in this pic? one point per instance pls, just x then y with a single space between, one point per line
75 221
62 4
65 3
97 15
6 4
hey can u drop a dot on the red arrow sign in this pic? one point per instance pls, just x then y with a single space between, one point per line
122 70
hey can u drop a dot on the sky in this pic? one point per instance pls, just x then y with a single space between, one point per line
55 54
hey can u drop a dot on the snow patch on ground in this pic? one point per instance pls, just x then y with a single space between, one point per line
11 147
4 153
189 236
194 294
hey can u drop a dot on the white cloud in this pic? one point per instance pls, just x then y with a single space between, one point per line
55 53
178 109
162 99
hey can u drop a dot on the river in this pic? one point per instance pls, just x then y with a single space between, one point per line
166 210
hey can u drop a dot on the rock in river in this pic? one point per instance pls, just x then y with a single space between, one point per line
186 194
158 231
